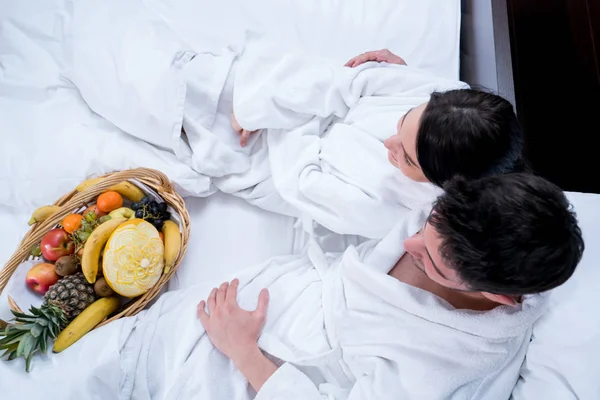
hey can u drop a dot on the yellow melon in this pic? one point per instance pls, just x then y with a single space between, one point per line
133 258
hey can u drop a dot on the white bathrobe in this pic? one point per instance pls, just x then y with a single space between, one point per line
340 327
325 126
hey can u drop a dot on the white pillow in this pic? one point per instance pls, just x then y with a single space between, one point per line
426 33
563 360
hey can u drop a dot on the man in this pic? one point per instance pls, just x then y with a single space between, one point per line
486 251
440 308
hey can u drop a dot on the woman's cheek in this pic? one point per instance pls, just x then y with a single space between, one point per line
407 171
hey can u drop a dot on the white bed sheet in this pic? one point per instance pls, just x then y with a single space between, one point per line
228 234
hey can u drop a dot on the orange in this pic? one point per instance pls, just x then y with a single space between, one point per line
162 236
109 201
72 222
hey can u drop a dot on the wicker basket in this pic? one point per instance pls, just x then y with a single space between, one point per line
154 180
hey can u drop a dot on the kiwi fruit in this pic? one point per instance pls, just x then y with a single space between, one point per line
102 289
66 265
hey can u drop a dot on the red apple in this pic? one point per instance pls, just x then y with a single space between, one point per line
40 277
56 244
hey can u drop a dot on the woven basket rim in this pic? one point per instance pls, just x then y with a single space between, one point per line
153 179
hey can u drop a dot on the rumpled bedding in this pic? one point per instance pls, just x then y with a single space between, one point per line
319 154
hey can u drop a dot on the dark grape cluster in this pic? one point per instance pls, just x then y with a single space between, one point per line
151 211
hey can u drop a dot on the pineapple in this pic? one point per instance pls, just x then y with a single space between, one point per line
28 333
72 294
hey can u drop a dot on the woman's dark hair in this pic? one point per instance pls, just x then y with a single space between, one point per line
469 133
510 234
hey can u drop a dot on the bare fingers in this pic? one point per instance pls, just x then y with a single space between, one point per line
212 300
231 296
202 314
263 304
221 293
244 136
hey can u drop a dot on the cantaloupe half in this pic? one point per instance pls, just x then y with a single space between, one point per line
133 258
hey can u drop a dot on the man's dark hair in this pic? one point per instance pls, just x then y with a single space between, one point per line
510 234
469 133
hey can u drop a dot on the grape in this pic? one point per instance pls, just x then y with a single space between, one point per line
153 208
135 206
166 215
158 223
139 214
90 216
151 220
145 201
83 236
36 251
162 208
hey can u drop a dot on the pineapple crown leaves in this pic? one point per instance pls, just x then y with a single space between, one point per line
28 333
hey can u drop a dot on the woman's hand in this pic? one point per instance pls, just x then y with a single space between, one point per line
232 330
380 56
244 134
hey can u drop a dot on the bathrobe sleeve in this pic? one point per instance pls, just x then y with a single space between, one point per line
288 383
282 91
275 90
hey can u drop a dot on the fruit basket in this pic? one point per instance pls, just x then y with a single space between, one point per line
138 200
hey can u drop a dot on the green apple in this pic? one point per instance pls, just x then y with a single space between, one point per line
122 212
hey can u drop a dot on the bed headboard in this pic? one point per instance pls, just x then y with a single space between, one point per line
485 55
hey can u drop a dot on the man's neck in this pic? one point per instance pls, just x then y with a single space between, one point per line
406 271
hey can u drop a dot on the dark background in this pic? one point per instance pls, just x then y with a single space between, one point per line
555 46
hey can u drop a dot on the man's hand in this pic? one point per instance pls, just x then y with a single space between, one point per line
235 331
232 330
244 134
380 56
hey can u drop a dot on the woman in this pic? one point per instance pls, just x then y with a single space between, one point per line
458 132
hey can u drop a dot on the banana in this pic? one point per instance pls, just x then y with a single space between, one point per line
83 186
125 188
172 243
128 190
85 322
93 246
42 213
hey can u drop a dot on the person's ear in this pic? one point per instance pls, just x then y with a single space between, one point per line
500 298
